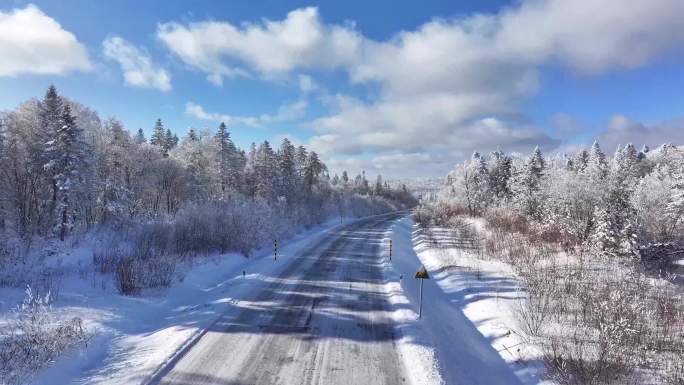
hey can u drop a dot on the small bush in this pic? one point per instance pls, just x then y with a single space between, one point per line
34 338
158 272
128 276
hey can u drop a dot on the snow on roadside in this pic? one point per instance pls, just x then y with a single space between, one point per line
135 336
413 344
467 328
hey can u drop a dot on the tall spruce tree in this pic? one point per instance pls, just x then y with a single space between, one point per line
140 137
287 172
158 138
51 109
67 163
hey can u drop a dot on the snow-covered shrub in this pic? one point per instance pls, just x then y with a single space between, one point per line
541 290
151 239
133 274
11 263
34 338
159 271
674 368
106 259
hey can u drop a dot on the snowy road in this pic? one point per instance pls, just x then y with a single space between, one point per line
324 320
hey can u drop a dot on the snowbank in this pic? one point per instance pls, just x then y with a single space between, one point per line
467 313
136 336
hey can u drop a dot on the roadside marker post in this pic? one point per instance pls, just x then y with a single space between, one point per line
275 249
421 274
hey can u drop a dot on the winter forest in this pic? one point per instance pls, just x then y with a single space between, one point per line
596 241
65 171
142 209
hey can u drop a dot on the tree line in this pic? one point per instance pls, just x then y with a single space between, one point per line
62 168
616 204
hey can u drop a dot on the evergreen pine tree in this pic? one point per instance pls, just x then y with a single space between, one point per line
300 161
287 172
597 167
581 161
159 138
140 137
67 162
378 185
51 109
500 175
314 168
265 166
531 184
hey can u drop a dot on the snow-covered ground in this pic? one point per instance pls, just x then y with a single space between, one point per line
466 334
134 336
467 312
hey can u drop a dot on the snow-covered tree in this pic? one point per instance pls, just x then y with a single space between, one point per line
140 137
529 195
345 178
288 180
229 162
158 135
378 185
170 141
67 162
313 170
114 170
597 166
581 160
265 167
500 172
300 160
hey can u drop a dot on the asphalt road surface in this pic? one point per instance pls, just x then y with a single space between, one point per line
324 320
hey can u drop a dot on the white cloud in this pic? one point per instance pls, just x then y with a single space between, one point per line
447 87
286 113
197 111
306 83
136 65
32 42
270 48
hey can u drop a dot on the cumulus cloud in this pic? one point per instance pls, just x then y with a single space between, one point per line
32 42
271 48
136 65
286 112
451 85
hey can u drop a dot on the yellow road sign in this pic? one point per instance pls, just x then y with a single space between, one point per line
422 273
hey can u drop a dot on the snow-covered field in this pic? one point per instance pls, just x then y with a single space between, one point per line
466 333
466 318
134 336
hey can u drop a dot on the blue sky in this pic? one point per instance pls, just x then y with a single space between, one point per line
406 90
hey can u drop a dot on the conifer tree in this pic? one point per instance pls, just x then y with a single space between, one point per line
314 168
51 109
158 135
597 166
500 175
140 137
67 162
287 172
